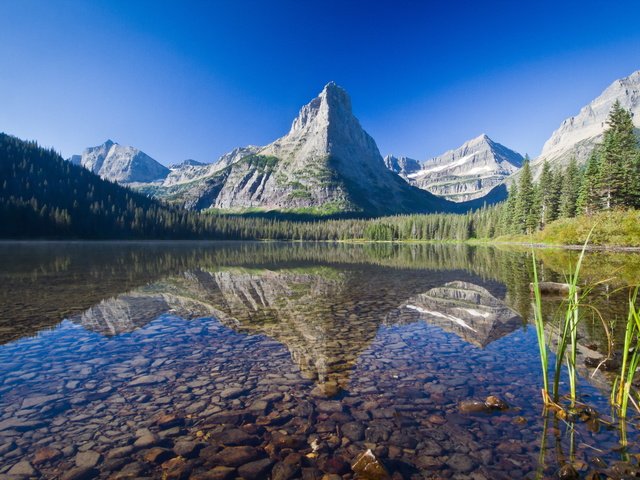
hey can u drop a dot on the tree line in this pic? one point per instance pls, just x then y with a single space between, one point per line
610 180
44 196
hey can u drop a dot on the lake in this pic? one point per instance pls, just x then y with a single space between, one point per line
224 360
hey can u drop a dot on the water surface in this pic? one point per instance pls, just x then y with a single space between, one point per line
130 360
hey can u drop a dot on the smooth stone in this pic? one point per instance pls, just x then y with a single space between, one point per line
132 470
236 456
496 403
20 425
147 440
88 459
473 406
460 463
176 469
354 431
334 465
39 400
285 471
294 442
187 448
257 469
231 393
234 438
23 468
217 473
147 380
120 452
46 454
329 406
157 455
165 421
80 473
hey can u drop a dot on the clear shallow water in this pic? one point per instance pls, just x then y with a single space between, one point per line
151 360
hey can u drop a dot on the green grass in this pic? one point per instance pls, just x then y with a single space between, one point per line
615 228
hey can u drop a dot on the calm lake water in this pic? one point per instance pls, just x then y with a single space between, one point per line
214 360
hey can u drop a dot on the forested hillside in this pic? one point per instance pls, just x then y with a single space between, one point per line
42 195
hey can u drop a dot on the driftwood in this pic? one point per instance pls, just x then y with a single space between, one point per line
552 288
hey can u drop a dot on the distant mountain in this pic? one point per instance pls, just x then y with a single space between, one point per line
469 172
42 195
187 163
190 171
403 166
326 162
121 164
578 135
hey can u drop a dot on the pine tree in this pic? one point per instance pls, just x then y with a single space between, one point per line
547 196
618 176
569 190
526 217
588 197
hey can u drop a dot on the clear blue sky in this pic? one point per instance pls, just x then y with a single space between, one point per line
182 79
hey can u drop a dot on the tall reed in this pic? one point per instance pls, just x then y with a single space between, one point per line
539 322
622 391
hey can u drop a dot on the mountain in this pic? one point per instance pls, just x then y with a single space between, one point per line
578 135
187 163
190 170
121 164
42 195
326 163
469 172
403 166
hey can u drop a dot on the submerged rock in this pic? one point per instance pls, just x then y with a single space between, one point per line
473 406
368 467
567 472
496 403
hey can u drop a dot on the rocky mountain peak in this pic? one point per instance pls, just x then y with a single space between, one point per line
122 164
331 104
577 136
471 171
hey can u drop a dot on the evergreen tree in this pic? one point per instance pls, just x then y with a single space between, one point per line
547 196
526 217
570 190
618 176
556 194
588 197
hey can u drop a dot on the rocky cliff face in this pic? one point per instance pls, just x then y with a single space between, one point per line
403 166
578 135
326 162
468 172
121 164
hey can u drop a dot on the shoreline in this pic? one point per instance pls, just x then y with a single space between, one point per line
471 242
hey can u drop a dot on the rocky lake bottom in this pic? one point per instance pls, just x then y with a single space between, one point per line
211 361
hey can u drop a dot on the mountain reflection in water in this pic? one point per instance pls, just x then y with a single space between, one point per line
324 316
99 339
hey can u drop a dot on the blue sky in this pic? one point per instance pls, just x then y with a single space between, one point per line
182 79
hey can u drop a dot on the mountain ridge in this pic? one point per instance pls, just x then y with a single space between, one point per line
579 134
326 161
466 173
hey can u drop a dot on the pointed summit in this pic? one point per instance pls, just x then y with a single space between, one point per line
471 171
121 164
336 96
326 162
